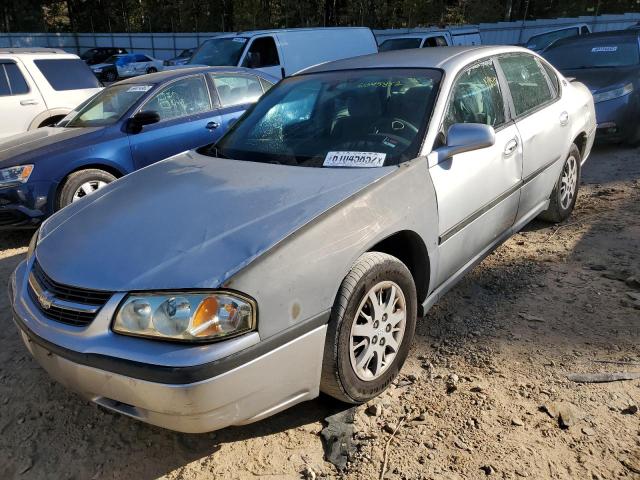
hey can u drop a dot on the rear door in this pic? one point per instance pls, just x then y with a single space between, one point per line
187 120
236 92
542 121
263 54
20 99
477 191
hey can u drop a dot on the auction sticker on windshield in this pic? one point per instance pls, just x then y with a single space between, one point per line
354 159
604 49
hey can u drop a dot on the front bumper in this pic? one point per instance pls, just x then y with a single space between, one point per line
617 118
244 387
25 206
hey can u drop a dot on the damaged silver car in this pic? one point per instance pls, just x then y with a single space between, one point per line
294 256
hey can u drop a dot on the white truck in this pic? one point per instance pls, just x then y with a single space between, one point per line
40 86
417 38
284 52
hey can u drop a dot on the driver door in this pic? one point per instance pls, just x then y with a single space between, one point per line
262 54
478 191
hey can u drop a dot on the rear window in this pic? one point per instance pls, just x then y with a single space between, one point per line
67 74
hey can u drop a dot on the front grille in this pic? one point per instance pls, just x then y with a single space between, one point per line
63 303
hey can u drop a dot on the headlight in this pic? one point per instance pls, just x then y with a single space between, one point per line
186 316
611 94
15 175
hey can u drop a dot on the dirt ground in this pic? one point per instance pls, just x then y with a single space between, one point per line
486 364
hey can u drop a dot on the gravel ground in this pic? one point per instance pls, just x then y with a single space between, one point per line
484 393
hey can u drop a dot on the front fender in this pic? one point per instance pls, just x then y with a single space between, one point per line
300 277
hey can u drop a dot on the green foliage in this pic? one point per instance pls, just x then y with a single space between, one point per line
232 15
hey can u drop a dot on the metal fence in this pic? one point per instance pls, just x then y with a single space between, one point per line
167 45
158 45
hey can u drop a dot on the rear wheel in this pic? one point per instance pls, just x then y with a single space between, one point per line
565 192
371 329
81 184
152 70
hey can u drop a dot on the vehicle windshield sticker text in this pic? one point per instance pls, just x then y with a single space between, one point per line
604 49
354 159
139 88
240 40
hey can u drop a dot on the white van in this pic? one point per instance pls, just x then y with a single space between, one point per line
284 52
40 86
392 40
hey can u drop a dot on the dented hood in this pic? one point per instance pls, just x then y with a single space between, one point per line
191 221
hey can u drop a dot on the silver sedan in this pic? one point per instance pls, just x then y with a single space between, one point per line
295 255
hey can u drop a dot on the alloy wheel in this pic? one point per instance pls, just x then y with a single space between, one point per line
568 182
378 330
87 188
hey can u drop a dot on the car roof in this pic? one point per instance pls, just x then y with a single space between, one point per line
33 50
445 58
167 75
590 36
253 33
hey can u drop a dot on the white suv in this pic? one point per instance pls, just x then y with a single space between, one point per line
39 86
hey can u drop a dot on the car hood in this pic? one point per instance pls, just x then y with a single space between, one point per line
46 141
597 79
190 221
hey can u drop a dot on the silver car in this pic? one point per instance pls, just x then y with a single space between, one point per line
294 256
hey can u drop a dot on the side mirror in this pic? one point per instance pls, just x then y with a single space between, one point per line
140 119
466 137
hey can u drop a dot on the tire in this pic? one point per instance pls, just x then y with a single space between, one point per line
559 208
72 184
634 139
110 77
340 378
152 70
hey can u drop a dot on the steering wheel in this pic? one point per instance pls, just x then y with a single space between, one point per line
399 127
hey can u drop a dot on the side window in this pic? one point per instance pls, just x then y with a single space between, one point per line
266 85
141 58
527 83
438 41
553 78
237 89
67 74
17 83
262 53
476 98
181 98
4 82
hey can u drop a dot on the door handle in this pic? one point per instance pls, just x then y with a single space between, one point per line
212 125
28 102
510 147
564 118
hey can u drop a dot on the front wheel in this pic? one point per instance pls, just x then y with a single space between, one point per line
81 184
111 76
152 70
371 328
565 192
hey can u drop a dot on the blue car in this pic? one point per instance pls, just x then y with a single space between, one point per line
127 126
